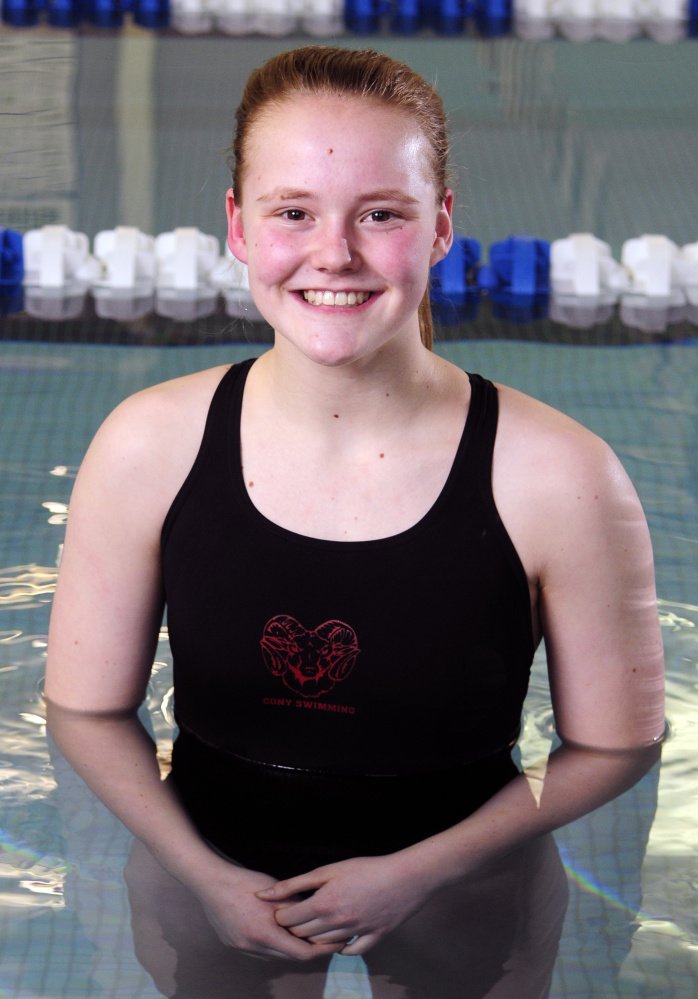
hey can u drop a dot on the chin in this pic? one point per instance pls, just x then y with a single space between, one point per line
330 351
332 358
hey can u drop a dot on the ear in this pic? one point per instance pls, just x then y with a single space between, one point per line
443 236
236 236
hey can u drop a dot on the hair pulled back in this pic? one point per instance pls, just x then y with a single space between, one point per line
366 74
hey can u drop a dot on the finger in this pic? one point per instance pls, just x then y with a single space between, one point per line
360 944
312 928
299 914
293 886
299 950
342 936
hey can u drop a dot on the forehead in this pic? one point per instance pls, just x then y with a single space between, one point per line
329 132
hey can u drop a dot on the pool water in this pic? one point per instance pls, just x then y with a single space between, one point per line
548 138
631 927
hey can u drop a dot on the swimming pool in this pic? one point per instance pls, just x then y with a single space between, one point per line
550 138
631 927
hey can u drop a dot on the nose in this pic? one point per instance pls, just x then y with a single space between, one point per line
333 249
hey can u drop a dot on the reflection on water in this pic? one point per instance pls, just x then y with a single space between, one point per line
631 927
631 916
26 586
495 937
671 620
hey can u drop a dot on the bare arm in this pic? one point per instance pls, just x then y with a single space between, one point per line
104 626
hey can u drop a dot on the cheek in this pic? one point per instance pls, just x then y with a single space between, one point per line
406 259
272 258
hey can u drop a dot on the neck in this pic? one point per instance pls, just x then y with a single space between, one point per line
391 385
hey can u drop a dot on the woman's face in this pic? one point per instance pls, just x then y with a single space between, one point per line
339 225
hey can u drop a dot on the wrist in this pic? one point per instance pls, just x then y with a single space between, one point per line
189 859
426 864
446 858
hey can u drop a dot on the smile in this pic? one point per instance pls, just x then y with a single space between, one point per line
345 298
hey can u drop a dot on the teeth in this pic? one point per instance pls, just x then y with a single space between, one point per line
336 298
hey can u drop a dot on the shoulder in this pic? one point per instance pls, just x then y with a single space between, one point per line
172 413
145 448
177 406
528 421
561 485
550 448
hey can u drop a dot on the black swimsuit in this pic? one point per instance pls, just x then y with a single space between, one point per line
338 699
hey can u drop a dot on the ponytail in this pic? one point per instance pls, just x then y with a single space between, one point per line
426 328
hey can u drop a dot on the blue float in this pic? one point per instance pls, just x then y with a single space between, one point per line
151 13
364 16
450 16
20 13
520 264
493 17
11 272
453 290
692 15
519 309
11 258
517 278
448 314
407 17
104 13
453 278
64 13
447 17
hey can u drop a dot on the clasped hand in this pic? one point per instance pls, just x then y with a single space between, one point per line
353 903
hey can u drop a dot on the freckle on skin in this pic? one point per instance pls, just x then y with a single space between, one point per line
250 483
381 456
336 416
330 151
596 497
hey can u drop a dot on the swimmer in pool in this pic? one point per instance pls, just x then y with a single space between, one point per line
359 546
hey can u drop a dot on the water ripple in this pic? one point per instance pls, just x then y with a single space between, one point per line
26 585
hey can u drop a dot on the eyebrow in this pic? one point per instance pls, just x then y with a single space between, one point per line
390 194
296 194
286 194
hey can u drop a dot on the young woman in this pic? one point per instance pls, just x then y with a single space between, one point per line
360 547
